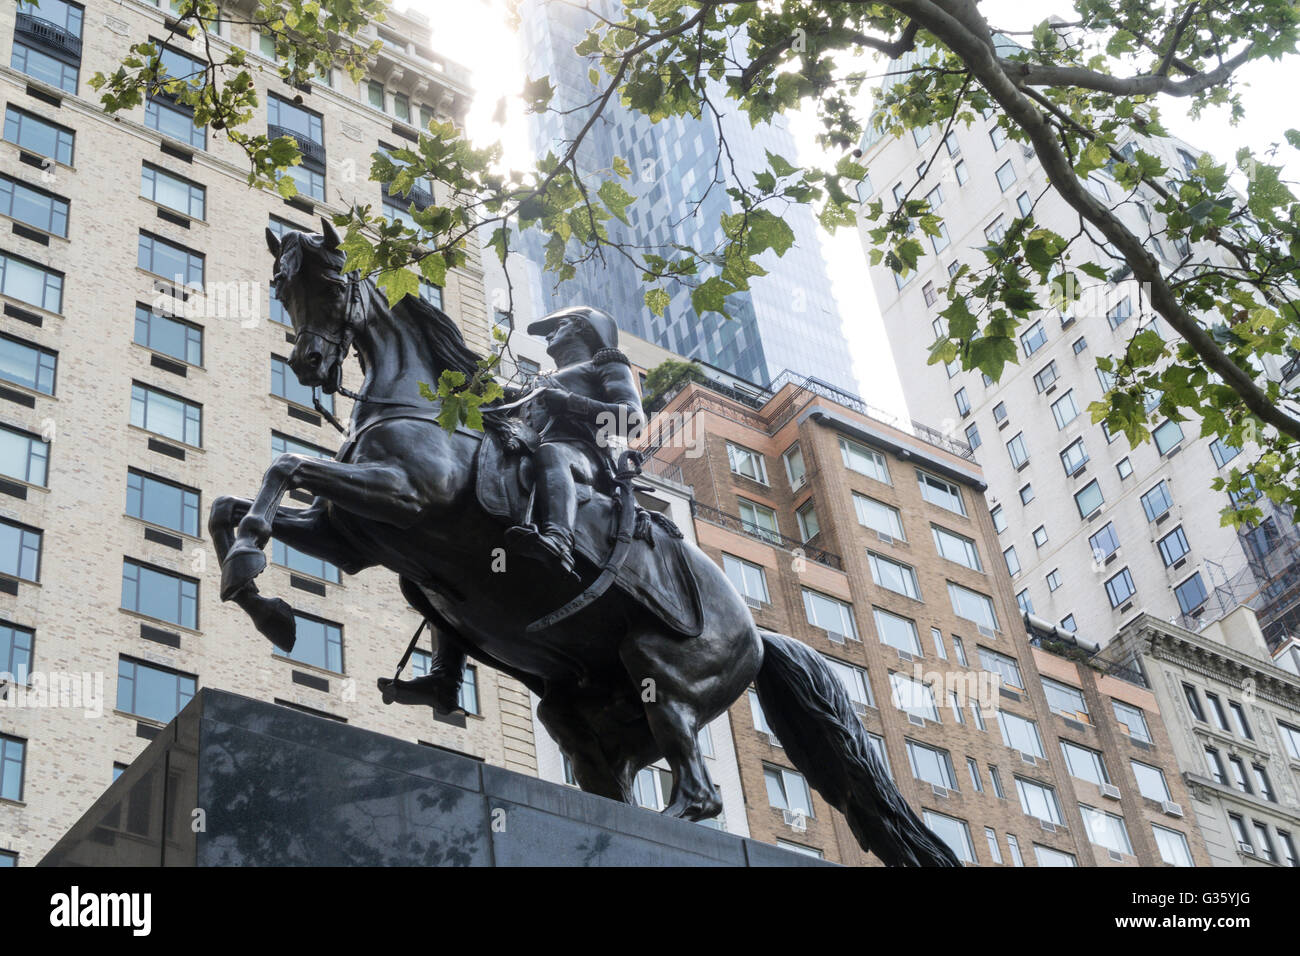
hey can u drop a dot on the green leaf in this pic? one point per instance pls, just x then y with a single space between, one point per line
657 300
616 199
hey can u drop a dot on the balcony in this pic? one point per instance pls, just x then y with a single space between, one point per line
313 153
737 524
49 36
418 194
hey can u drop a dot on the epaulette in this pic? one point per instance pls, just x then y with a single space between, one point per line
605 356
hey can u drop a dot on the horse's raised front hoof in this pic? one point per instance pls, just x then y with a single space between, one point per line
243 563
273 618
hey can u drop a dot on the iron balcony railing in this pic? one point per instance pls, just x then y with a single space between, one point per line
419 195
735 523
311 150
49 35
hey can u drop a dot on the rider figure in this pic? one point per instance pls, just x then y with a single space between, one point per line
576 410
591 396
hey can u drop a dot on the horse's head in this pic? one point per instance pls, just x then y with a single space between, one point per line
320 300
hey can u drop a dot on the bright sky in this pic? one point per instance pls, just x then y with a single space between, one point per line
475 33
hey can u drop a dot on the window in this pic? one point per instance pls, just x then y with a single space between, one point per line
1193 702
1016 451
37 135
1006 667
13 757
921 135
1168 436
1068 623
794 467
996 779
747 578
932 765
973 769
973 436
1290 737
1265 844
973 606
1239 718
162 503
1104 543
1024 204
1089 499
1289 856
999 519
759 520
1053 579
913 697
1013 845
1120 588
1024 601
283 444
955 833
31 283
1151 781
1046 856
173 337
897 632
941 241
1106 829
998 136
1080 345
1020 733
864 460
431 293
1033 339
1064 699
939 492
1239 774
1132 719
169 260
1038 800
160 594
1191 593
1026 493
960 648
1123 468
20 550
151 691
1223 453
1000 412
1006 176
963 402
186 197
1174 547
1172 845
319 644
305 127
830 614
760 719
1120 314
956 547
746 463
28 365
951 144
894 576
164 114
34 207
1084 763
302 563
881 518
961 172
807 519
1065 410
167 415
285 384
787 790
1046 377
422 661
375 94
855 682
54 54
16 651
1013 560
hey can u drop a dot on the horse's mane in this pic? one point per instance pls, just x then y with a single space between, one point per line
440 330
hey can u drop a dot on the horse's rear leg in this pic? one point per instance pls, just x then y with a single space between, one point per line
673 714
565 721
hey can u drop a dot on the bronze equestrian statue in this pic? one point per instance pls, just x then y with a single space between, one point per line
653 641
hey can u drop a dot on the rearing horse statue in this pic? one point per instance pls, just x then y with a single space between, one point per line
401 494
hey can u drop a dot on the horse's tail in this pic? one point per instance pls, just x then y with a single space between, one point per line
810 711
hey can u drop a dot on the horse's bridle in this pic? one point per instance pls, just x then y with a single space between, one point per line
351 319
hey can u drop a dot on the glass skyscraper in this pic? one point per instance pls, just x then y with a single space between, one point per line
788 319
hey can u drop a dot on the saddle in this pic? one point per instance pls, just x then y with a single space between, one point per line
656 573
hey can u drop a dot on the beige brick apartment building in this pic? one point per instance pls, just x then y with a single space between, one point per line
120 424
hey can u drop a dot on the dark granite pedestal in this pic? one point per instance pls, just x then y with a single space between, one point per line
238 782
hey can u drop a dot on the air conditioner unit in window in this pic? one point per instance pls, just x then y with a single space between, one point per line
1170 808
1047 825
1115 857
797 483
886 538
774 741
753 602
859 707
1028 758
795 820
904 655
939 791
1246 848
835 637
986 631
913 719
1110 790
